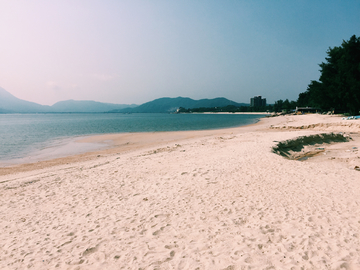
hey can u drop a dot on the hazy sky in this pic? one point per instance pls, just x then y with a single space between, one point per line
136 51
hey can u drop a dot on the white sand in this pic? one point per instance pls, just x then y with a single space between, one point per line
197 200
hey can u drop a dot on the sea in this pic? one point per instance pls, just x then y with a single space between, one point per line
32 137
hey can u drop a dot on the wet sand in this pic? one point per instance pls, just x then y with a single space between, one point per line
110 144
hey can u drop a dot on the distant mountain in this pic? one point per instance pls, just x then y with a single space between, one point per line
12 104
4 111
166 105
86 106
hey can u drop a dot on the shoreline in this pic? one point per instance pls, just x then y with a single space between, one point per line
216 199
254 113
120 143
88 147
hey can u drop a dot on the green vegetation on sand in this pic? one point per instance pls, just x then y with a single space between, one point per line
296 145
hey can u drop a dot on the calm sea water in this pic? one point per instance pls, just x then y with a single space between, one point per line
24 135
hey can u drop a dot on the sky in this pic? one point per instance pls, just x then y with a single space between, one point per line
131 52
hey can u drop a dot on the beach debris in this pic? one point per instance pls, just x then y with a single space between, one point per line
357 168
351 117
89 251
29 182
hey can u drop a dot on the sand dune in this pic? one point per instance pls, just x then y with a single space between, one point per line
200 200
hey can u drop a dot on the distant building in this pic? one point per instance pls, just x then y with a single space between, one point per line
302 110
257 101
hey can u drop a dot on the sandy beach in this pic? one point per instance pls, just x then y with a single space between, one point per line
214 199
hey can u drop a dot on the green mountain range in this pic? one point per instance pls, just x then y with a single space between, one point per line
168 105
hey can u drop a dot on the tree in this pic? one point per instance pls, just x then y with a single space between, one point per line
278 105
286 105
339 83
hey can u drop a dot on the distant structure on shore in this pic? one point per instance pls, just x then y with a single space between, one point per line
302 110
257 101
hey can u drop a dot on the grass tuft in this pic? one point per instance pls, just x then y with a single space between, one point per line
296 145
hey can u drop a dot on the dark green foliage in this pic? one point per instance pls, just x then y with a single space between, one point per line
339 83
279 106
285 105
296 145
304 99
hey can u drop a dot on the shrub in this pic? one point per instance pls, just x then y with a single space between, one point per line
296 145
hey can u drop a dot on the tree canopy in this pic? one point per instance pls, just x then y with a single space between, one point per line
339 83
